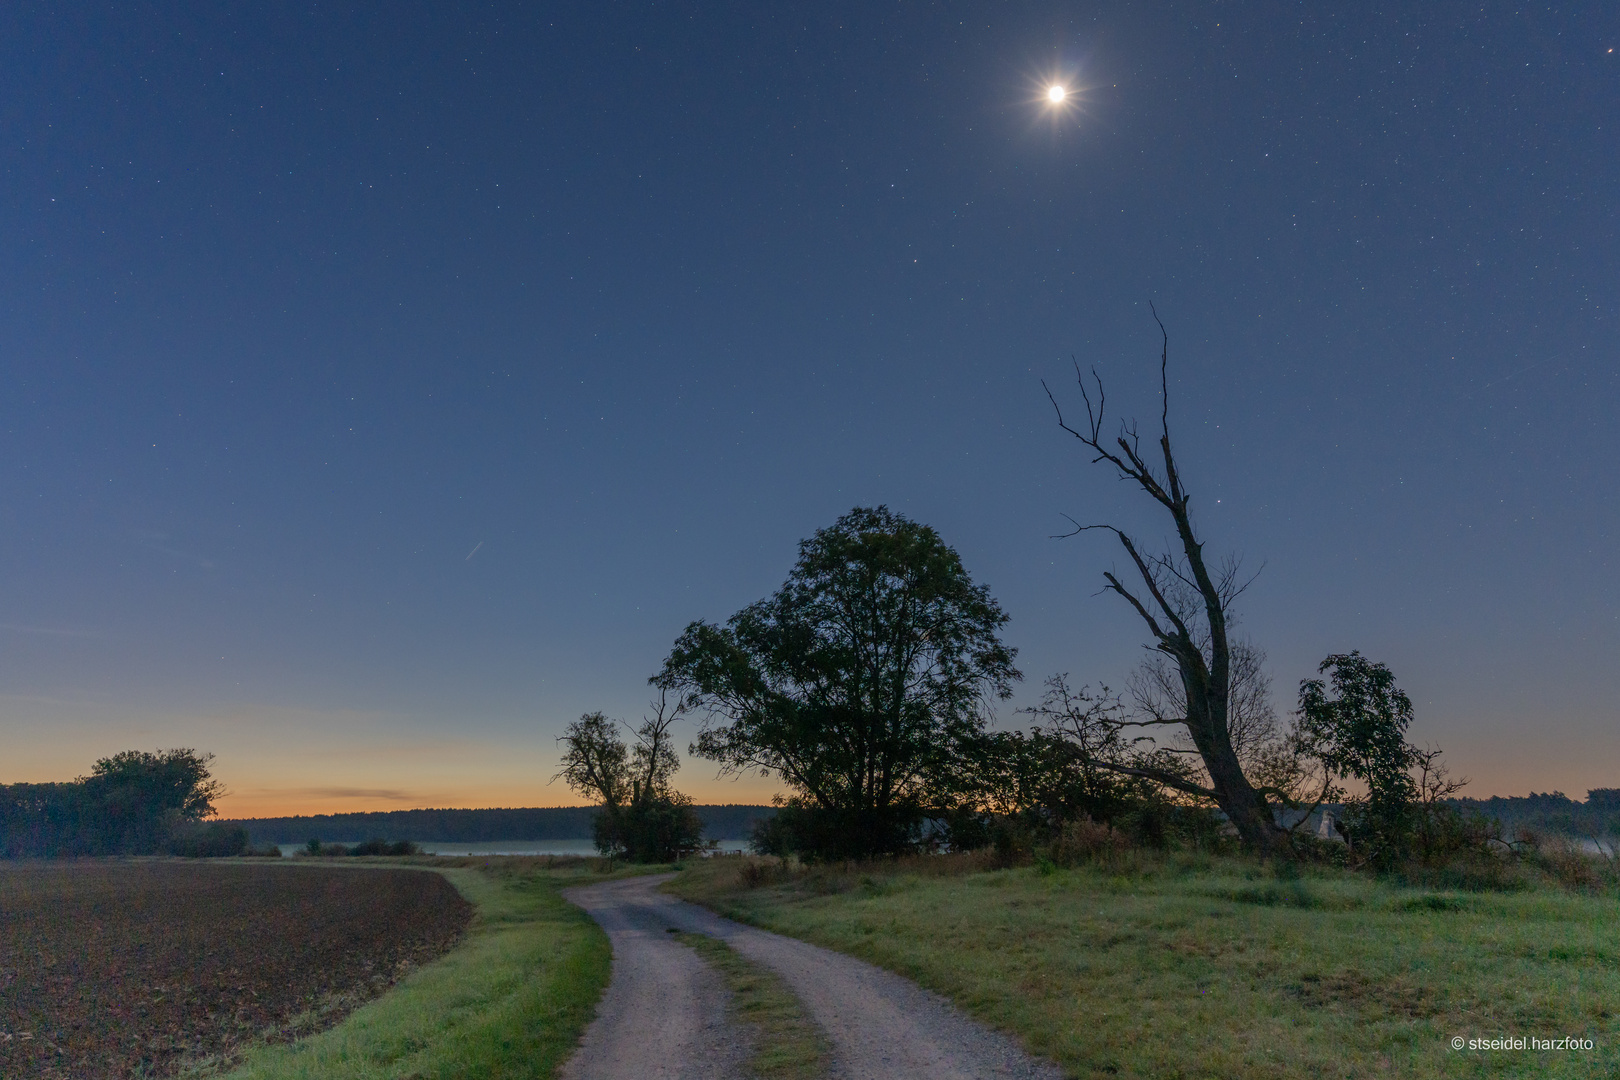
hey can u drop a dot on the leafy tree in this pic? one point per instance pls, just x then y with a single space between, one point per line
643 818
1186 606
1357 730
859 683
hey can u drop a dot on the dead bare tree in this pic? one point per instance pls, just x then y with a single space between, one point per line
1187 611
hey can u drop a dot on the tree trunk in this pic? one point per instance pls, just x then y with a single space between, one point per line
1206 681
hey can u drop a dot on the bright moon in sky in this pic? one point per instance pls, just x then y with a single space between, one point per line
1056 94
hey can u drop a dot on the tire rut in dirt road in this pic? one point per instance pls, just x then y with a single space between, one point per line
880 1026
664 1012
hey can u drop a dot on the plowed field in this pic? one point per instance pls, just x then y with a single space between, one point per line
113 969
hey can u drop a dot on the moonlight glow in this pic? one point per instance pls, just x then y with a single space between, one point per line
1055 94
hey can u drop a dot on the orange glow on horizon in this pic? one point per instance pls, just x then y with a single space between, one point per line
304 802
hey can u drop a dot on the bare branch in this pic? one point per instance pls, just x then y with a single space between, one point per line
1164 371
1168 779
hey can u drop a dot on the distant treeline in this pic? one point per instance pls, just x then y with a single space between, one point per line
1554 812
133 803
728 822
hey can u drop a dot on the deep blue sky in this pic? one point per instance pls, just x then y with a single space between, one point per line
385 385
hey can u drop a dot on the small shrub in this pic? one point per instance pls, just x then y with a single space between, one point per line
1316 850
1012 839
1475 871
378 846
820 834
652 829
757 872
1567 864
965 830
1084 840
262 851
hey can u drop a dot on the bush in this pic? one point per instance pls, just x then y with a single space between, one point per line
650 830
1474 871
378 846
1563 860
1013 838
772 836
1084 840
966 829
209 841
817 834
756 872
262 851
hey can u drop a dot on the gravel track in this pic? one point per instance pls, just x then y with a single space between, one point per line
664 1013
881 1026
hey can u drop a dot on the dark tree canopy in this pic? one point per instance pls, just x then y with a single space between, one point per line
174 780
1357 730
858 681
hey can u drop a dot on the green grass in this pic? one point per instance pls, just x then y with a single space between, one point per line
787 1044
1181 966
509 1002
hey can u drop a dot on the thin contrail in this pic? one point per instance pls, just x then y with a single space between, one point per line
474 551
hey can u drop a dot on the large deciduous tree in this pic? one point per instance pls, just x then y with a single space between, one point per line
857 683
1186 607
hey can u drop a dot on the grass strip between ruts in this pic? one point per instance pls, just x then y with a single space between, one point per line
509 1002
787 1043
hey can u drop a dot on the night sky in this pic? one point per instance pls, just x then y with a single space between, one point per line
384 386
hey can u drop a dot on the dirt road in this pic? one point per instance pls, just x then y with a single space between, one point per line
664 1012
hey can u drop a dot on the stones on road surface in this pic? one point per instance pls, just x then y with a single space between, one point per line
664 1013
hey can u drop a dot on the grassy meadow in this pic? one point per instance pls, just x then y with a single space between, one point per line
509 1002
1148 965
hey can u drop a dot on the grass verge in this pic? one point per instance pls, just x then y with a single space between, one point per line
787 1044
1184 966
509 1002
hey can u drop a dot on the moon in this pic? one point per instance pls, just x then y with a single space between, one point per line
1055 94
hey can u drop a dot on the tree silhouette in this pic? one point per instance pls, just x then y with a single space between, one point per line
1186 608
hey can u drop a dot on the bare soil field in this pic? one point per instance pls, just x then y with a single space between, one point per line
116 969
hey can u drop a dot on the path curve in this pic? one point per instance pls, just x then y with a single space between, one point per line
881 1026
